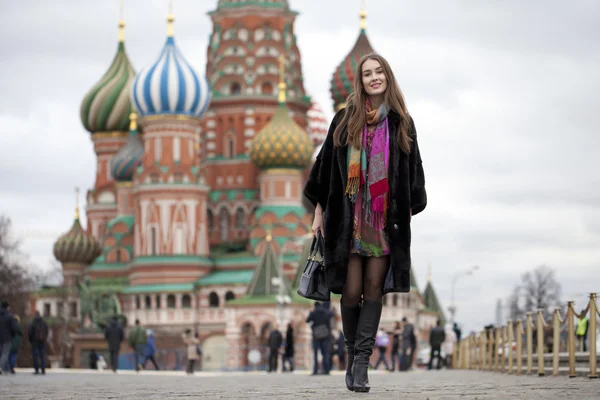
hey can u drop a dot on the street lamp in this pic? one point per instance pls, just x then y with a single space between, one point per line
460 274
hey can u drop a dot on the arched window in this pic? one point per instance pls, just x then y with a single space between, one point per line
395 300
229 296
213 299
266 88
186 301
235 89
240 218
148 302
158 301
138 302
229 150
384 300
224 224
171 301
211 220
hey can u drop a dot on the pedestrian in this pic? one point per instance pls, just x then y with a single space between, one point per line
368 180
274 342
437 335
320 318
38 333
7 332
150 349
114 335
396 333
382 341
448 345
341 350
93 359
583 326
191 347
409 344
16 344
288 351
137 341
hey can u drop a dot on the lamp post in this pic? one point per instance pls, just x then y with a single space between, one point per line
460 274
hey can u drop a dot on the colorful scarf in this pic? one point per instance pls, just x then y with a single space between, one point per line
375 175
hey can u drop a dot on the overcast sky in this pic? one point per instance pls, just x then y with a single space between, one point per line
504 95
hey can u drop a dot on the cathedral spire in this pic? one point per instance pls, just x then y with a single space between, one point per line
282 85
121 24
363 16
170 19
76 203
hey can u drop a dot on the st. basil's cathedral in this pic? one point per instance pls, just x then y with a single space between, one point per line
196 218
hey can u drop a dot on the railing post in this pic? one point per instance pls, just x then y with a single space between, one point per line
540 342
483 342
592 335
496 356
502 342
571 339
455 355
511 337
491 349
529 343
555 341
519 347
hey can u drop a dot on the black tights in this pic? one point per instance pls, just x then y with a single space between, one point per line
365 278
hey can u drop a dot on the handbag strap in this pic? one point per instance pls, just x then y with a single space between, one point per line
316 247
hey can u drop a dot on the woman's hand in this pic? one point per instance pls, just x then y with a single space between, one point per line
317 225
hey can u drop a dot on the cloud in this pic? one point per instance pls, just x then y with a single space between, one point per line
504 95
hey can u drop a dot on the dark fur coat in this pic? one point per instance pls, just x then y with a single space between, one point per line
326 185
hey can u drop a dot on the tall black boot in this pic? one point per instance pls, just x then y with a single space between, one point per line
368 323
350 317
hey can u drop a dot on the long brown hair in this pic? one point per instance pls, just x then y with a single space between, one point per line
355 116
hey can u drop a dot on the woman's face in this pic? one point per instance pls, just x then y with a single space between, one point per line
373 78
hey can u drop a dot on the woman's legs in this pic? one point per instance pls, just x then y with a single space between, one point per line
375 273
351 298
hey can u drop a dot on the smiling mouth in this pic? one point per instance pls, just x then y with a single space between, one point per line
376 85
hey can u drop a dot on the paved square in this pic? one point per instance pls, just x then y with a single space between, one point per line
90 385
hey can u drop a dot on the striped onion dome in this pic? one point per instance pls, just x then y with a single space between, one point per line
170 85
129 157
342 82
317 124
76 246
106 106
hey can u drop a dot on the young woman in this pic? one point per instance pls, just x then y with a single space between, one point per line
366 184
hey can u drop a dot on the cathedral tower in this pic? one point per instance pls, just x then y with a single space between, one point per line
242 65
105 113
170 194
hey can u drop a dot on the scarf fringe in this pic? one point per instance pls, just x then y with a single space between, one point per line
352 187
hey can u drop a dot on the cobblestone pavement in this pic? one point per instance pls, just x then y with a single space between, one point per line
413 385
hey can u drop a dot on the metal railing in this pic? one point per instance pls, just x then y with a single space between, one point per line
492 350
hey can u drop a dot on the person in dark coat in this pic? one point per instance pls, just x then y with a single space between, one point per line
366 184
274 342
436 338
16 344
37 334
320 318
409 344
114 335
93 359
288 351
7 333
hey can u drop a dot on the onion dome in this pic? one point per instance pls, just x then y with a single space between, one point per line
342 83
130 156
170 85
282 143
106 106
317 124
76 246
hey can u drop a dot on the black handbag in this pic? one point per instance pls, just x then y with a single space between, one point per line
312 283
